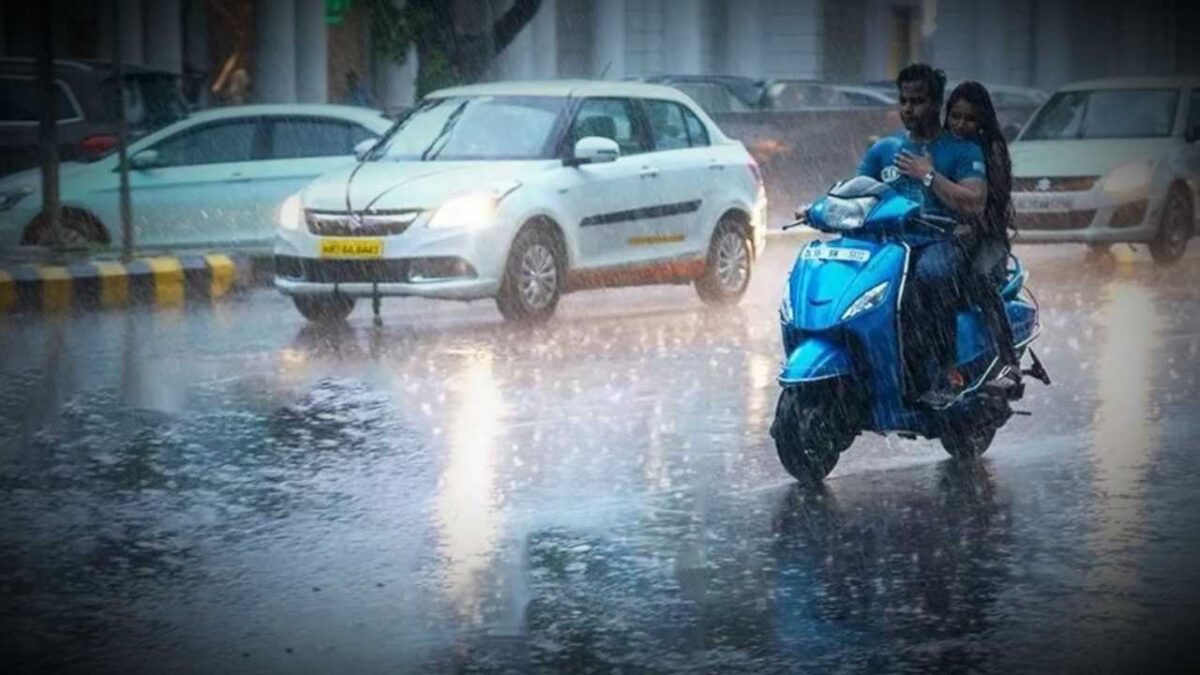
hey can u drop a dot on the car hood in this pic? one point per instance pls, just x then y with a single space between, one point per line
1032 159
413 185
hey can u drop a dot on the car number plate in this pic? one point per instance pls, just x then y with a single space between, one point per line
843 254
1041 204
351 248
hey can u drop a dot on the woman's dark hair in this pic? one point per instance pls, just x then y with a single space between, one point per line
997 213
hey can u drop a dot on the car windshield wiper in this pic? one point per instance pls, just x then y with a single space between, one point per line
443 136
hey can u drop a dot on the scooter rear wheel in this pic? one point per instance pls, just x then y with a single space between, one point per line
808 436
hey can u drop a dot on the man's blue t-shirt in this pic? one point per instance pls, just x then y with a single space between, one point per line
955 158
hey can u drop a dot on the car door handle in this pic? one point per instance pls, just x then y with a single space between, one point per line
716 165
648 172
239 178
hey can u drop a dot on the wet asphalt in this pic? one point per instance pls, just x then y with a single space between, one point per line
226 489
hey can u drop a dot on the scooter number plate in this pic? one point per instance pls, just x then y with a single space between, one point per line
842 254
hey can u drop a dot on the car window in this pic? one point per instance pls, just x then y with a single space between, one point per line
19 101
667 126
297 137
697 132
1194 111
212 144
863 100
1105 113
465 128
610 118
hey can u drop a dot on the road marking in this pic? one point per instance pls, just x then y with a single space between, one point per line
55 288
168 280
223 274
114 283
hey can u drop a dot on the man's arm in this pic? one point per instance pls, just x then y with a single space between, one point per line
966 196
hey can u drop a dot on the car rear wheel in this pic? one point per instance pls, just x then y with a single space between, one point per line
324 308
533 277
727 270
76 231
1174 230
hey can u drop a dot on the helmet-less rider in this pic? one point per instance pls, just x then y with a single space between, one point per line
946 176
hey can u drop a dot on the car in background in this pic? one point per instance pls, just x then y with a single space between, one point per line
787 95
86 107
716 94
212 180
1110 161
524 191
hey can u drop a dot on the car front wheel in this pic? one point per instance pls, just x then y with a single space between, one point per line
533 277
1174 229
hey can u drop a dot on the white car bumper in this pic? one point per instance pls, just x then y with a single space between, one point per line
1093 216
460 264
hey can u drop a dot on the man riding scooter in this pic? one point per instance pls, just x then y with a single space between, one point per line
946 175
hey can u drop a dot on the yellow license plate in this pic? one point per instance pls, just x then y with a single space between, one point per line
352 248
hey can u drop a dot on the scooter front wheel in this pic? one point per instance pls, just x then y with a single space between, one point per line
962 441
809 436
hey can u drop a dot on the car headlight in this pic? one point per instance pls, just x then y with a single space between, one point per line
786 314
867 301
1130 177
475 209
9 199
291 213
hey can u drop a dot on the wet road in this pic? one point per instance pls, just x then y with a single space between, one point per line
229 490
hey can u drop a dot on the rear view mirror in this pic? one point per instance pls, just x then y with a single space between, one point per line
364 146
594 150
146 159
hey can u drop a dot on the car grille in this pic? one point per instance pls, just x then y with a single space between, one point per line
1059 184
403 270
369 224
1066 220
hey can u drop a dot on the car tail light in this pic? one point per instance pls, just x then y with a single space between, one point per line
756 172
97 145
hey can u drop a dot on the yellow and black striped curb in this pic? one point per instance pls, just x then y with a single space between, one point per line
161 281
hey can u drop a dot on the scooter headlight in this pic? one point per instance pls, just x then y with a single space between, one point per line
867 301
847 214
785 305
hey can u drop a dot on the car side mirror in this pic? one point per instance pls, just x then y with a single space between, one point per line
593 150
364 146
146 159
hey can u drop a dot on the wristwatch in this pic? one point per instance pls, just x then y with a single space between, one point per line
928 179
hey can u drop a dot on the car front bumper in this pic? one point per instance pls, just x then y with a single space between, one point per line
1085 217
458 264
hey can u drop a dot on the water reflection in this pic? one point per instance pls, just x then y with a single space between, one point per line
1124 430
466 512
895 577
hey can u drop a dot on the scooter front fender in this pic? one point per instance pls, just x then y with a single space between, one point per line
817 357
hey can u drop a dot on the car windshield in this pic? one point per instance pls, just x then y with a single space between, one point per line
1105 113
465 128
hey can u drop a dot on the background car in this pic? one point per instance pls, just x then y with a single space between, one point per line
86 106
716 94
212 180
524 191
1111 161
804 95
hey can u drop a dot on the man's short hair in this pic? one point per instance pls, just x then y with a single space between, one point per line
934 79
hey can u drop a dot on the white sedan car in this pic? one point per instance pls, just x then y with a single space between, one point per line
523 191
1112 161
213 180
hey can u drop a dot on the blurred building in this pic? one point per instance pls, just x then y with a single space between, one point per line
306 50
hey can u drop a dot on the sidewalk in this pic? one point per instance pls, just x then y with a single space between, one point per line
162 281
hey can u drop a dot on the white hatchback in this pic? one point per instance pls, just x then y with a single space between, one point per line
1112 161
522 192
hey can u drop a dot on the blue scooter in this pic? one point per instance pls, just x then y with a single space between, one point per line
840 318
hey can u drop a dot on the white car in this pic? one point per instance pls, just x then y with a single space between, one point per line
1112 161
213 180
523 191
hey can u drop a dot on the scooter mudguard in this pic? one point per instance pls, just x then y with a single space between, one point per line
816 358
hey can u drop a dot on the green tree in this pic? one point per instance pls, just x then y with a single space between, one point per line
446 54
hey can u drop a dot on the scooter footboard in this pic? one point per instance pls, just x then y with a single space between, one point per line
816 357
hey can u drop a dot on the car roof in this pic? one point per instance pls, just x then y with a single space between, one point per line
325 109
24 64
564 88
1169 82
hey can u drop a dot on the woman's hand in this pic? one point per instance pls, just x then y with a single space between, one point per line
914 166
